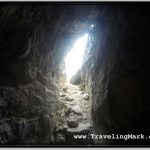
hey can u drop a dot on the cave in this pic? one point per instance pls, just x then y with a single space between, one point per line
74 73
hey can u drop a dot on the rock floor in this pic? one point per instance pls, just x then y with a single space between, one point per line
75 117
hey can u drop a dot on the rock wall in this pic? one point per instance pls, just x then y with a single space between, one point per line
28 93
33 40
120 75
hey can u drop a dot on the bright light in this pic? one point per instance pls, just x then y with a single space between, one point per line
92 26
75 57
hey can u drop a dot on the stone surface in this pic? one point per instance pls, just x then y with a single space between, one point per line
86 97
77 116
6 134
77 109
62 94
72 123
60 129
68 98
64 89
114 76
60 139
82 128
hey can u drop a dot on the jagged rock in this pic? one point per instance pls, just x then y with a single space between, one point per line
86 97
76 109
82 92
72 123
68 111
69 98
62 94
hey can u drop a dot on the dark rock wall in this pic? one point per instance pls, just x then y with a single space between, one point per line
120 80
28 87
33 41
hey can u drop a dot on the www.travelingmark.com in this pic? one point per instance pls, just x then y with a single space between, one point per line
112 136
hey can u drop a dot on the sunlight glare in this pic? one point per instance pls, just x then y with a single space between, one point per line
75 57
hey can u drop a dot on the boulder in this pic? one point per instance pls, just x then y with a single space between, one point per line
69 98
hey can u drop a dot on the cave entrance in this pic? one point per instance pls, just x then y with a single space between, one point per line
75 57
76 100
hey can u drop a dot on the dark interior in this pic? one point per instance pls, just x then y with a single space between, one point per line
114 80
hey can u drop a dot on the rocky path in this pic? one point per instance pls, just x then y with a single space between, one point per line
75 116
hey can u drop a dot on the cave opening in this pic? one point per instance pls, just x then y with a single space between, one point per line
76 56
43 103
76 112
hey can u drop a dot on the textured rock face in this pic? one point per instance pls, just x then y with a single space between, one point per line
33 41
120 76
28 87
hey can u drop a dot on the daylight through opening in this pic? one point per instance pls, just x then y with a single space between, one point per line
75 58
